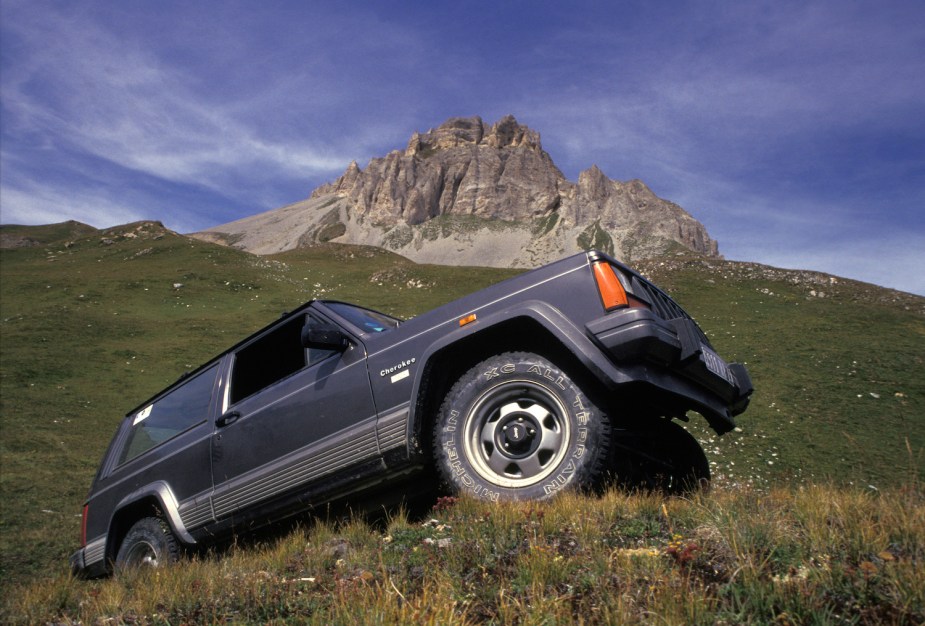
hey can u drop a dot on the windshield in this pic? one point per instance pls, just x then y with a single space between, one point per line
366 320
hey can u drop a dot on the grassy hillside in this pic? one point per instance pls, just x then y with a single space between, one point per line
90 329
819 555
91 324
838 367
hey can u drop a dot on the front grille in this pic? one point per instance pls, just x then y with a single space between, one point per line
662 304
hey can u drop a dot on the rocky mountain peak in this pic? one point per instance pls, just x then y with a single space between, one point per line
469 192
593 183
509 133
473 131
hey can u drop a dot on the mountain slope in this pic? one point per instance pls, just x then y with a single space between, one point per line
475 194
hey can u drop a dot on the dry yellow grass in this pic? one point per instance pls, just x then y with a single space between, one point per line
807 555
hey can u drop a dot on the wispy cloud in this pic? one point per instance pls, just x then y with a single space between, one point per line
257 113
43 205
115 101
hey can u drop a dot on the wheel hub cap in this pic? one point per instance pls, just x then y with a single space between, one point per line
516 436
517 433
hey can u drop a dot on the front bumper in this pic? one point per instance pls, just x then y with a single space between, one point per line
637 335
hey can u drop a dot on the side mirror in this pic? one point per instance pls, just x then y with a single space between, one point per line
323 337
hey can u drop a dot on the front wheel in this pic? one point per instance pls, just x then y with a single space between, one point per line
148 543
517 427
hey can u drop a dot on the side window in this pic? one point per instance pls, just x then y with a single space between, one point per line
171 414
270 358
316 355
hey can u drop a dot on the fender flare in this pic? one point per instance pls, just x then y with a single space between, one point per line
550 319
161 492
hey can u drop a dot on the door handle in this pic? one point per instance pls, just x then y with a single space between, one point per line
227 419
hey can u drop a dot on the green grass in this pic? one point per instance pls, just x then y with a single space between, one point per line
819 555
595 237
15 235
89 330
839 390
545 225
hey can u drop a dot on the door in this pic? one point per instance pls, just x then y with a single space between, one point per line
291 417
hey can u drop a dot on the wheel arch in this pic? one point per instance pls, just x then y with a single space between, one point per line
154 500
536 328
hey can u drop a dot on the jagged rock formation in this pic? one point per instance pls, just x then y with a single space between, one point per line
470 193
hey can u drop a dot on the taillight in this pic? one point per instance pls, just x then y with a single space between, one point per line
83 526
612 293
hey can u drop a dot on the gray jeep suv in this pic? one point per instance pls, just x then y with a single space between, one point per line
550 380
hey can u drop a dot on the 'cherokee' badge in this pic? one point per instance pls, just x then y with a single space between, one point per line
398 372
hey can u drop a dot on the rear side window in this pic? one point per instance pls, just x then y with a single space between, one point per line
176 411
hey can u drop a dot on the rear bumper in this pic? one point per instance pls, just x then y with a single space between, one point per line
680 351
90 561
78 563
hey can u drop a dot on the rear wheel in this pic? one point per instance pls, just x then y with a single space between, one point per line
148 543
517 427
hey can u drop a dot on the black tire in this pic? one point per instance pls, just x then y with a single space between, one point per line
517 427
148 543
664 457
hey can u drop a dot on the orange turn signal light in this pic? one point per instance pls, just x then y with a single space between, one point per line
467 320
612 293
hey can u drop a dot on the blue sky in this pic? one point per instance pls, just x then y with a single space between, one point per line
795 131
